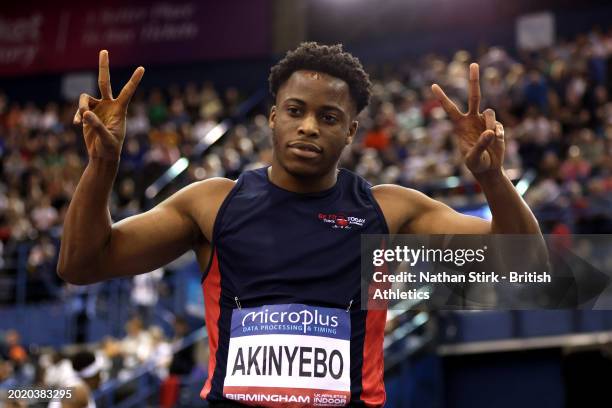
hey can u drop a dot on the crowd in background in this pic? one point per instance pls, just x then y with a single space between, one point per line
111 359
555 106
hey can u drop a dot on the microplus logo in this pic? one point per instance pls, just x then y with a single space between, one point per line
304 318
341 221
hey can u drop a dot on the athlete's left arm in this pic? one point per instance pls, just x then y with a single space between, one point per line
408 211
481 141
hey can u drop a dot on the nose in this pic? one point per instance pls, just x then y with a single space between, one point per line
309 126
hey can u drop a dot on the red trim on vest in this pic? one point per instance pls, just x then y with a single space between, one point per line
372 370
211 287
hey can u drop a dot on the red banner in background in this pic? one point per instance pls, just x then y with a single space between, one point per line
50 38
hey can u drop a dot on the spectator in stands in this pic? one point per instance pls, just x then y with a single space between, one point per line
161 354
17 358
88 368
83 381
145 294
7 380
13 350
135 346
182 364
57 369
183 361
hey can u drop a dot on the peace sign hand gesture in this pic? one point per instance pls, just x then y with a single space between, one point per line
480 137
104 119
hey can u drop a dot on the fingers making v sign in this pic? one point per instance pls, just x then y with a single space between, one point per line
479 136
104 119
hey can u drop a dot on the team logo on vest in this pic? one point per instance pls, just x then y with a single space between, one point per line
341 220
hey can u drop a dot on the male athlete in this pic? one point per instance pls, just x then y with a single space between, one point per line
280 247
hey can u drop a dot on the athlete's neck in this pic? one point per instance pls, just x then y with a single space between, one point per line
289 182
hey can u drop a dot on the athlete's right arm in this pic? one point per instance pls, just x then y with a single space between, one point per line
92 248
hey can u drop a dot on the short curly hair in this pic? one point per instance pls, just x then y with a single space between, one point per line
329 59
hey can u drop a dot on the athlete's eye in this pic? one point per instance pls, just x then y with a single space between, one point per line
330 119
293 111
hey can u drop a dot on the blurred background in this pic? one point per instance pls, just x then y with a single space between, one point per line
200 112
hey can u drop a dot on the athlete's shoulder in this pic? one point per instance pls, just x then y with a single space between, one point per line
214 185
394 192
200 202
399 204
217 183
403 197
203 194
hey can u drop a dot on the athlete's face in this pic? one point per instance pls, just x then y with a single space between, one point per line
312 122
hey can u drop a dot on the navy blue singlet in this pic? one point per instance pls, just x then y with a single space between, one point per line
282 297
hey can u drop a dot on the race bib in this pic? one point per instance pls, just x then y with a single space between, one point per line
289 355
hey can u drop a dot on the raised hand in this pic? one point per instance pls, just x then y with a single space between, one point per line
480 137
104 119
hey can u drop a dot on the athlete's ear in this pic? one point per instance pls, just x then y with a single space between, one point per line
272 117
351 133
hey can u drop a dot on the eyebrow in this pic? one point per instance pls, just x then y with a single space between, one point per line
325 107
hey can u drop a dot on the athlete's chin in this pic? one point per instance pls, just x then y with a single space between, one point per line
306 169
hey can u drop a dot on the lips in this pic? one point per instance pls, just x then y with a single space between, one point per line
306 146
305 150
